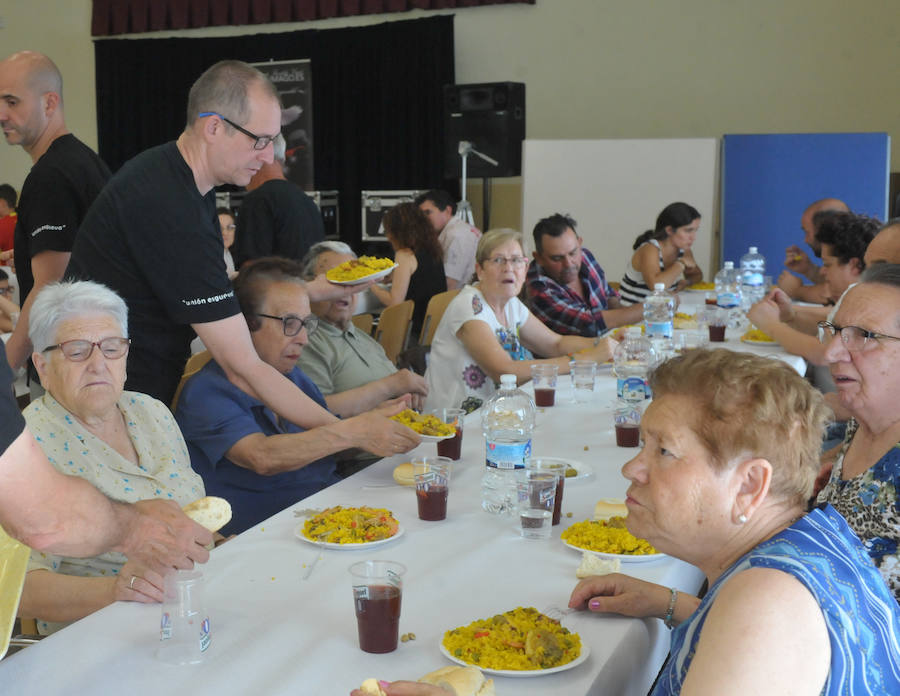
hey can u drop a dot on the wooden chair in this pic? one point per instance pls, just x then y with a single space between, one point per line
437 305
193 365
393 328
363 322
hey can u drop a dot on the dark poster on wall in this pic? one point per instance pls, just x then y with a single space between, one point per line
293 80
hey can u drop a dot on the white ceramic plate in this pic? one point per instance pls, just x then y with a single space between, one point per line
435 438
623 557
754 342
585 653
373 276
298 532
585 471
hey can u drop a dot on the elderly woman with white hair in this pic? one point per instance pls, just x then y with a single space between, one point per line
487 331
125 443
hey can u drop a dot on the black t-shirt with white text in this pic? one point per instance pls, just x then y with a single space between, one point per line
56 196
154 238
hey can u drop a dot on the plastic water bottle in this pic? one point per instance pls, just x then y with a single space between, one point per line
659 316
728 293
632 360
507 420
753 271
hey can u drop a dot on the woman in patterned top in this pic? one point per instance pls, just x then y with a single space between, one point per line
486 331
862 347
124 443
794 606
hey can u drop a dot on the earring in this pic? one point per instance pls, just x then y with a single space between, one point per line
742 518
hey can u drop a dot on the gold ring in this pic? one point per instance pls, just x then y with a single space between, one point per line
131 584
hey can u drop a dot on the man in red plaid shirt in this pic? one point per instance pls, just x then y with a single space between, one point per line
565 286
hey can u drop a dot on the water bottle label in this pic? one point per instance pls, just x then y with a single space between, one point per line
204 634
754 279
165 626
727 299
631 389
507 455
659 329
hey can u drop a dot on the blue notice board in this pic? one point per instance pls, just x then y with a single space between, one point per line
769 180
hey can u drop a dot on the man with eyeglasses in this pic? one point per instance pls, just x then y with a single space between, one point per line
9 310
65 178
153 237
565 286
276 218
243 451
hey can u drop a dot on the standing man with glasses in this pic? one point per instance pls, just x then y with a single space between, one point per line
566 287
244 451
65 178
153 237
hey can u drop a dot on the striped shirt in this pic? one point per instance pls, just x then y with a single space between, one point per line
634 288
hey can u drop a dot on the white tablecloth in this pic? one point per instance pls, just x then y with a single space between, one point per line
273 632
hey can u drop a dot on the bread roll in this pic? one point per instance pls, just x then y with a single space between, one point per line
592 564
403 474
604 509
461 681
371 687
210 512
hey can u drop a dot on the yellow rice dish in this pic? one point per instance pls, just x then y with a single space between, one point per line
424 424
606 536
355 269
701 286
339 525
755 334
521 639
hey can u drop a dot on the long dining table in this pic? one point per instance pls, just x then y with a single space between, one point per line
281 609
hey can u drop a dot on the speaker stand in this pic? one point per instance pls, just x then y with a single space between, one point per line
463 209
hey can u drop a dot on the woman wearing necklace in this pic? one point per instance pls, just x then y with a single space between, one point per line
794 606
663 255
486 331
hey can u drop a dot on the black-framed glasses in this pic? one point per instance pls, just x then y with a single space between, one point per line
853 337
260 142
79 350
292 325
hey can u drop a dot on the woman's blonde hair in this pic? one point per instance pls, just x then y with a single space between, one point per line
749 406
491 239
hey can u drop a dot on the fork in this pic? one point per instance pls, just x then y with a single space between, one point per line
556 613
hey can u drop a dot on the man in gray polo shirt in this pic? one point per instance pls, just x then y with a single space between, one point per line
348 366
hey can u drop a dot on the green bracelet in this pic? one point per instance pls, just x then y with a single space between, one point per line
671 610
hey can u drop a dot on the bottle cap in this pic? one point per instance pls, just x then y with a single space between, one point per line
729 264
508 379
659 287
633 331
752 250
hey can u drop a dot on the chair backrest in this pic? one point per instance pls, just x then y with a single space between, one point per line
437 305
194 364
393 328
363 322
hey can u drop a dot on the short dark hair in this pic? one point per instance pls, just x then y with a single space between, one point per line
252 283
3 275
553 226
8 194
441 199
224 211
848 235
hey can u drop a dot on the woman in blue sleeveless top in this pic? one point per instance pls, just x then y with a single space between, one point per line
795 605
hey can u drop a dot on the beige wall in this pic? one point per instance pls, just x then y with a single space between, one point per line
601 68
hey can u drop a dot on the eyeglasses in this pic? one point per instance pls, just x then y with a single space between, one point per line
79 350
293 325
853 337
261 142
514 261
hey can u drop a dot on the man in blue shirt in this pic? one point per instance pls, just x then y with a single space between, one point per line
244 452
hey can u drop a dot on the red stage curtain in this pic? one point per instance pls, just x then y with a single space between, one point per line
111 17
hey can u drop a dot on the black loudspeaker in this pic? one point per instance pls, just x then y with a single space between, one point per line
491 116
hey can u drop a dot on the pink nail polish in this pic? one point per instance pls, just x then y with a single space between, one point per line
594 603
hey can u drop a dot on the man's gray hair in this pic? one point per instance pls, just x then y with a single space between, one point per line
59 302
223 89
316 250
280 148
